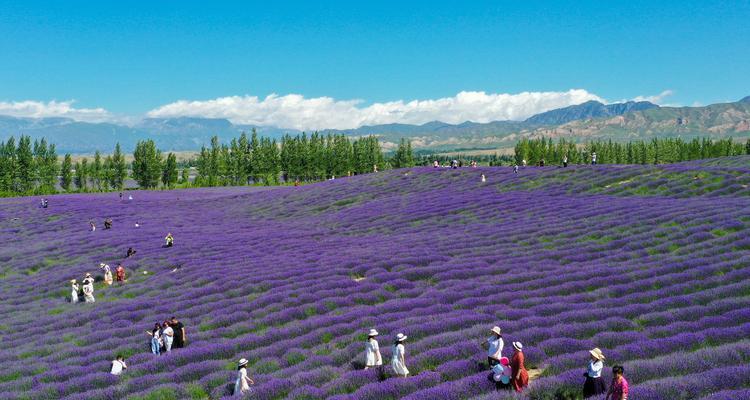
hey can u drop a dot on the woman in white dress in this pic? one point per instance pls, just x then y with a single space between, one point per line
167 334
107 273
74 291
243 382
398 362
372 351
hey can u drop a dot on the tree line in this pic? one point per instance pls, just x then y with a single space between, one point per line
655 151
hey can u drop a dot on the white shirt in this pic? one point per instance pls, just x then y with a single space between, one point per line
168 332
372 353
117 367
496 347
241 385
595 369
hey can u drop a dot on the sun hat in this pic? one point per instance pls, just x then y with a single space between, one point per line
88 274
242 362
72 281
597 353
102 264
496 330
518 346
401 337
373 332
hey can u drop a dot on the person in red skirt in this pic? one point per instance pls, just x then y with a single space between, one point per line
519 375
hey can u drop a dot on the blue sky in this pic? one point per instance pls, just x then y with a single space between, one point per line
130 58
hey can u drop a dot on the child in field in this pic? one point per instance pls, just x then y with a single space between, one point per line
118 365
74 288
372 351
398 362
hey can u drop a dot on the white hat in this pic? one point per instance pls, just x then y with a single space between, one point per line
518 346
88 274
242 362
401 337
496 330
72 281
373 332
597 353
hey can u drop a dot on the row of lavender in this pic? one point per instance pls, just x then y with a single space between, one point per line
291 279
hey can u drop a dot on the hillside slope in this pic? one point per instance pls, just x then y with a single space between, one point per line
649 263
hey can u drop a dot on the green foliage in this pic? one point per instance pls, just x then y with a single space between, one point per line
404 157
66 173
169 174
147 164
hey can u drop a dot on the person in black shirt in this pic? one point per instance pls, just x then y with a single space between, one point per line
180 338
130 252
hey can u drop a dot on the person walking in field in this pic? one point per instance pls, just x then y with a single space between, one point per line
435 164
398 361
169 239
593 158
619 388
107 273
515 168
88 279
131 252
92 226
372 351
495 346
519 375
594 384
180 338
167 334
118 364
243 382
120 273
74 288
108 223
156 339
88 292
484 178
565 161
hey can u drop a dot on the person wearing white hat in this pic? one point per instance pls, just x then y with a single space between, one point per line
74 291
398 361
243 382
594 384
519 375
496 344
107 273
372 351
88 279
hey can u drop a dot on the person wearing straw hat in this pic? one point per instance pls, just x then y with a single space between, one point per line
398 361
372 351
243 382
88 291
107 273
496 344
74 288
594 384
88 279
519 376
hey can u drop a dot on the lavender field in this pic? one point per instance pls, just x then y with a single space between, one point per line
649 263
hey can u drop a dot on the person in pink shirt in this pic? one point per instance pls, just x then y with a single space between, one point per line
619 388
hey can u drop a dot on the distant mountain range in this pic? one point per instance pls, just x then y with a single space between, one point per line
619 121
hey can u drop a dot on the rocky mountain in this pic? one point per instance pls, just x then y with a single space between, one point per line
620 121
589 109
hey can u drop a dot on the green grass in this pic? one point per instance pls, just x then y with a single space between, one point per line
196 392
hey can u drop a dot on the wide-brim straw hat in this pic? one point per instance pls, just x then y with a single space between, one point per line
73 281
88 274
243 361
518 346
401 337
596 353
496 330
372 332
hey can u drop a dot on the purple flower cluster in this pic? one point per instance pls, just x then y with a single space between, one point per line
649 263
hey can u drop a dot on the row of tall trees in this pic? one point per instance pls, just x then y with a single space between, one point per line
150 168
655 151
263 160
27 168
101 174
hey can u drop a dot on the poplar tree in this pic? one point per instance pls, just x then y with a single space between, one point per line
66 173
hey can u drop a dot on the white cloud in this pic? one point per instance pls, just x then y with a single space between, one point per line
40 109
296 111
656 99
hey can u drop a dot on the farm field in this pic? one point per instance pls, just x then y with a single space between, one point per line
649 263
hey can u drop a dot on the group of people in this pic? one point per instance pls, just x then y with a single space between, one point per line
455 164
86 290
373 359
167 335
44 203
594 384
